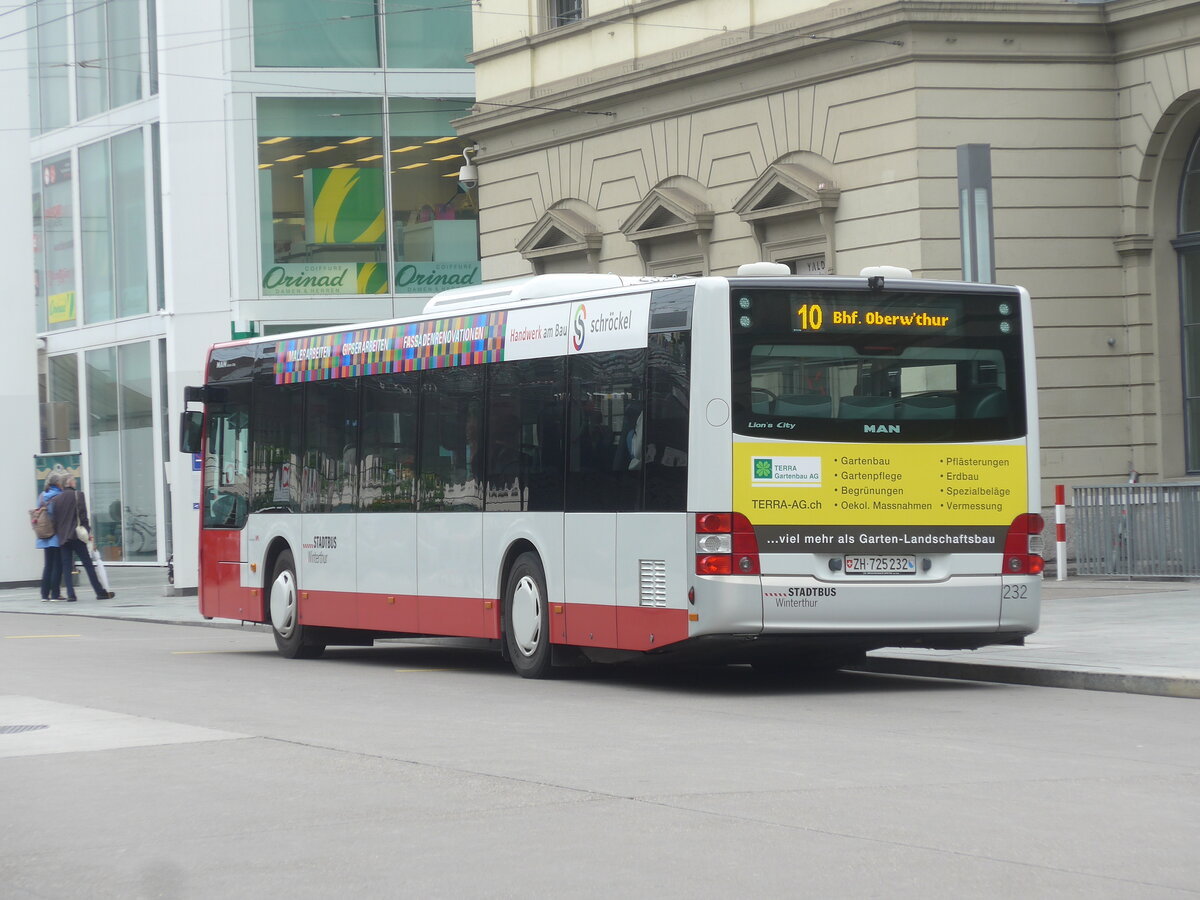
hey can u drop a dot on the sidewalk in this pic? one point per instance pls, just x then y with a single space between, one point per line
1099 634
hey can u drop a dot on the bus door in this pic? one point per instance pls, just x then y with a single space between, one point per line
225 505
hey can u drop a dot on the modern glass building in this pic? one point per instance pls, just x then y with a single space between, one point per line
203 170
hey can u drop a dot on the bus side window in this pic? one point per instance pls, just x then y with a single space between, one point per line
524 435
603 411
389 443
666 424
275 437
451 462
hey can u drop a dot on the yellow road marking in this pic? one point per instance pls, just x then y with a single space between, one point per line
26 637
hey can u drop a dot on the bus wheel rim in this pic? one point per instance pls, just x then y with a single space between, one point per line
283 604
526 615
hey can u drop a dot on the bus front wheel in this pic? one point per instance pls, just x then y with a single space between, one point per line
291 638
527 618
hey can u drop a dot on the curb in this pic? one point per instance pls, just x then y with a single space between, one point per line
1075 679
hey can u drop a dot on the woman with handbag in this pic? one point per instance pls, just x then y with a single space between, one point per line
69 511
52 556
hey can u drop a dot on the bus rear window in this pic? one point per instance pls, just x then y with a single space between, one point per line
900 366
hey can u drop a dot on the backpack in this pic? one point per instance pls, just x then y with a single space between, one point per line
39 518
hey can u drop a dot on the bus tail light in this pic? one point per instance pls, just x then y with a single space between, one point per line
725 545
1023 546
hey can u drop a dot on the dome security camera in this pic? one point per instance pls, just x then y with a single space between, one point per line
468 176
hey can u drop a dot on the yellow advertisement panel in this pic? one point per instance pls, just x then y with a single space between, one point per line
823 498
60 308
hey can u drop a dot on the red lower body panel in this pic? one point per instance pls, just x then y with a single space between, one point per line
617 628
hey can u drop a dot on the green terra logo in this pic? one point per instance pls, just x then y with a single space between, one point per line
762 468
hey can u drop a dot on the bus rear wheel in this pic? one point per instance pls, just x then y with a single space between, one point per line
527 618
292 639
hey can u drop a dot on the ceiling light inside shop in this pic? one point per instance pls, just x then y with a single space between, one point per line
450 175
265 165
444 158
406 149
415 166
323 149
275 140
440 140
340 166
290 158
371 158
357 140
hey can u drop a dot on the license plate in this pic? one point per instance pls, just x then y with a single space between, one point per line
881 565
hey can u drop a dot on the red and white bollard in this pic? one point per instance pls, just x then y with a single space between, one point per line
1060 531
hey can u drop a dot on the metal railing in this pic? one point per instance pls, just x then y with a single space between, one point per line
1137 530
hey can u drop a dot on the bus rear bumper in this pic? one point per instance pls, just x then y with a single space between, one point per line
960 612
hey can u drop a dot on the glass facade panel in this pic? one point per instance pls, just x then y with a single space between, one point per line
54 244
321 193
60 413
49 22
124 51
95 223
108 50
316 34
91 81
104 450
129 225
120 452
112 203
134 512
425 36
436 223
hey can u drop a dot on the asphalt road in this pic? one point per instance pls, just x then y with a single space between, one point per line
151 760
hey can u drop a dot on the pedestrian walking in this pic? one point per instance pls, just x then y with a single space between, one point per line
69 510
52 556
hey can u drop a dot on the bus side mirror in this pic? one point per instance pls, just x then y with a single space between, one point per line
191 425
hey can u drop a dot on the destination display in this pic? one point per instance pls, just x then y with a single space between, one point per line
879 503
815 312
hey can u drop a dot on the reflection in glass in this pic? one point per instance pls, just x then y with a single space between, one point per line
112 213
48 26
322 196
135 513
104 451
436 221
60 418
451 463
389 443
54 243
316 34
424 35
107 35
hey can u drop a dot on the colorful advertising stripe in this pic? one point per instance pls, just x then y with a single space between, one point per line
438 343
604 324
892 498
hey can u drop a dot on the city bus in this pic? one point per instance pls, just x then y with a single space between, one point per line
767 469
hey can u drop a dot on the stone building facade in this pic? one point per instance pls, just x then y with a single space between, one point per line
690 136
